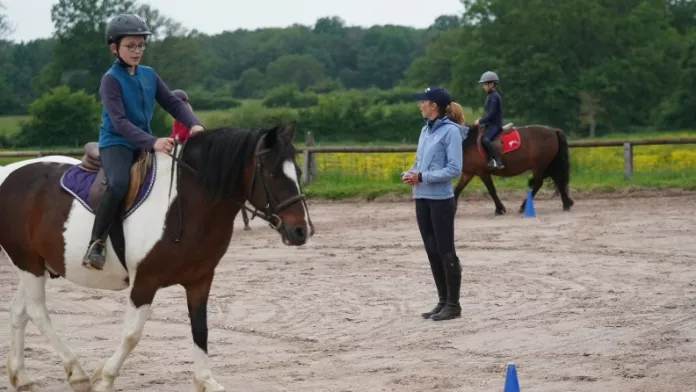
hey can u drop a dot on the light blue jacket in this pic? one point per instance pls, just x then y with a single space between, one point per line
439 158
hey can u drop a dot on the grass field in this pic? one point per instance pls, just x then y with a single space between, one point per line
341 175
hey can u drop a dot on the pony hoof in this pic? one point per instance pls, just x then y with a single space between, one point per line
27 388
81 386
247 228
208 386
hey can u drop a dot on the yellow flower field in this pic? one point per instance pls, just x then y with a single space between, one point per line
596 161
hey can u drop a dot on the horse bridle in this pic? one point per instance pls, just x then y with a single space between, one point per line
270 212
271 209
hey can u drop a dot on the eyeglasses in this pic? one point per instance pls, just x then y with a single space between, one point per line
132 47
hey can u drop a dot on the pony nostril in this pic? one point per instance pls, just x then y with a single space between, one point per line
301 232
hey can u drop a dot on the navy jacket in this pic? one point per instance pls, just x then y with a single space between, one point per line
493 117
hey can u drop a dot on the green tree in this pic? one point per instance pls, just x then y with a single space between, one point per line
304 70
81 55
621 54
677 112
250 85
61 117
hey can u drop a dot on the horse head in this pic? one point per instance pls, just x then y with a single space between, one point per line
258 166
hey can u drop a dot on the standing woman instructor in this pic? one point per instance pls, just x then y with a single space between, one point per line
438 161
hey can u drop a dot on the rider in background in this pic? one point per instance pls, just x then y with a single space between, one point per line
180 131
128 93
492 119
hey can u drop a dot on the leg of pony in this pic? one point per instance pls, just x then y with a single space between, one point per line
246 220
197 301
136 314
488 182
34 289
537 181
15 359
464 180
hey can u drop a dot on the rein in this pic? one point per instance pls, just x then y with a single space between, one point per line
269 212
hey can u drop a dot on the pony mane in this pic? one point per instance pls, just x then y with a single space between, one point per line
220 155
471 137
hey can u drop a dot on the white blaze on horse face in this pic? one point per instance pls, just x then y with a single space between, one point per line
142 230
291 173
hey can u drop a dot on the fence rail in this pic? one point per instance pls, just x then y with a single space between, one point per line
309 162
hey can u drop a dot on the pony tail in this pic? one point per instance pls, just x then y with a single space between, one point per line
455 113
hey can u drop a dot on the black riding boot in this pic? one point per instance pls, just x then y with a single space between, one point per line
104 216
495 162
453 273
438 269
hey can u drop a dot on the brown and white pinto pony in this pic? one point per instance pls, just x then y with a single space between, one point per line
177 236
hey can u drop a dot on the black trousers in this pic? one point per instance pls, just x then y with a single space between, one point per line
436 225
116 161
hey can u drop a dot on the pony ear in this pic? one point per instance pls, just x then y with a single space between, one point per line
288 131
271 138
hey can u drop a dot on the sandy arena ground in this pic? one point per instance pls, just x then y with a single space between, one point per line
598 299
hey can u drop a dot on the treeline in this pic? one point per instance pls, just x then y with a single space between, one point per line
588 67
217 68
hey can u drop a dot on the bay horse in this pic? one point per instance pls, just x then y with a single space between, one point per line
539 148
176 233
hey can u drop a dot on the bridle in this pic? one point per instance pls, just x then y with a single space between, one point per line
271 210
272 207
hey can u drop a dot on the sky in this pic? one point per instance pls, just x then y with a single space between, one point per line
32 18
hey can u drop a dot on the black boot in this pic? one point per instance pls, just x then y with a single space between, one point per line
453 273
95 258
437 268
495 161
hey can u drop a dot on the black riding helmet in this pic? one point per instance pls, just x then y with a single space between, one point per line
124 25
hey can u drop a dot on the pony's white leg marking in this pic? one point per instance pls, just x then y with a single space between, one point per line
35 302
289 171
203 377
15 358
133 325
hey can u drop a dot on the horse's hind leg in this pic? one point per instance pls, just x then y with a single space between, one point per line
34 290
15 359
197 300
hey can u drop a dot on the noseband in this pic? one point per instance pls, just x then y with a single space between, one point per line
271 210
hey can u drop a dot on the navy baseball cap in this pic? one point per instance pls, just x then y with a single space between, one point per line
435 94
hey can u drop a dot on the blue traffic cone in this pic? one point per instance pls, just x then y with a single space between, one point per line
511 382
529 205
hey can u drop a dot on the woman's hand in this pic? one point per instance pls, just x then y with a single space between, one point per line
197 128
410 178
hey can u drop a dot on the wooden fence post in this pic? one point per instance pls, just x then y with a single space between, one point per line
309 160
628 160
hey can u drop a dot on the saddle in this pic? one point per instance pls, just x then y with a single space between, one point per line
91 162
506 141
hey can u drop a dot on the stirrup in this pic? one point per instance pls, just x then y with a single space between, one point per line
88 263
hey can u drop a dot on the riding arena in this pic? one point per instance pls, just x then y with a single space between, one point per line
322 295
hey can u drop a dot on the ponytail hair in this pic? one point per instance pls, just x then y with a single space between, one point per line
455 113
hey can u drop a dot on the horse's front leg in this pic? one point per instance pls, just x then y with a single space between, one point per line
197 300
136 314
464 179
488 182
